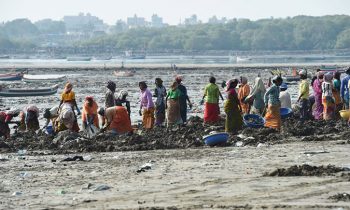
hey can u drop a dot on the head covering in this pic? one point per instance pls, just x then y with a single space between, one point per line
328 77
68 87
229 83
122 93
277 78
33 109
244 80
143 83
89 98
14 111
284 86
303 72
101 111
320 74
158 80
111 85
179 78
258 86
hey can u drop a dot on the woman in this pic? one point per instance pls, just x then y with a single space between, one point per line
211 96
122 100
327 97
109 96
68 96
50 115
273 104
173 105
257 96
5 120
286 101
336 93
117 120
232 108
146 106
66 119
29 119
89 116
160 93
243 92
183 99
317 87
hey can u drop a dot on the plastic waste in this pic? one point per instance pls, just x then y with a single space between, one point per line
17 193
61 192
239 143
24 174
102 187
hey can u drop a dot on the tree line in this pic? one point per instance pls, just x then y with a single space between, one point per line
297 33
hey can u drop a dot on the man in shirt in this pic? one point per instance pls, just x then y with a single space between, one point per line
303 98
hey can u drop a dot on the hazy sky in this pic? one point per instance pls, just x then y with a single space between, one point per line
171 10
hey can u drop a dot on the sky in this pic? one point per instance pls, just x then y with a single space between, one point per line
172 11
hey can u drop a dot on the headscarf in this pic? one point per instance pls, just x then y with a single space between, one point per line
111 85
122 93
303 72
67 115
228 83
320 74
14 112
244 80
33 109
258 86
68 87
328 77
89 98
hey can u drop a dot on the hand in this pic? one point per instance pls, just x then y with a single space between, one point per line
140 112
190 105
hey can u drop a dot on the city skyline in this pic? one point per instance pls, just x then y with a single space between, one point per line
172 12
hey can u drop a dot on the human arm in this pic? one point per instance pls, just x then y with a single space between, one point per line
76 106
266 96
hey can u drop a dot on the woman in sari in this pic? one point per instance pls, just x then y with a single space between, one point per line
318 106
6 119
257 96
29 119
146 106
173 105
232 108
160 93
273 104
243 92
327 97
336 94
211 96
68 96
89 116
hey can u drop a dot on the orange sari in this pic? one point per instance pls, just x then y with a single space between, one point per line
90 111
243 92
273 117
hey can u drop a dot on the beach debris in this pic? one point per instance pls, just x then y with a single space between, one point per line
340 197
87 186
21 154
314 152
17 193
145 167
3 159
102 187
307 170
75 158
24 174
61 192
239 143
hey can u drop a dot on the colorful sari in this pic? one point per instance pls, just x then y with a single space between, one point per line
318 109
234 121
211 112
148 118
90 112
273 117
243 92
173 112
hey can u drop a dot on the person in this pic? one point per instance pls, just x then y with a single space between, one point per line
344 89
327 97
6 119
160 93
314 78
50 115
173 105
121 99
29 119
211 96
109 96
183 99
146 106
66 119
232 108
257 96
303 98
336 94
116 119
317 87
286 101
68 96
89 116
273 104
243 92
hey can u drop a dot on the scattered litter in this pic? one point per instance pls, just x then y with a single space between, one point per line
307 170
340 197
102 188
17 193
61 192
87 158
3 159
86 186
315 152
75 158
241 136
21 154
145 167
261 145
24 174
239 143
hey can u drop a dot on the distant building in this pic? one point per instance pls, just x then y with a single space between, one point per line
135 22
215 20
157 22
83 24
191 20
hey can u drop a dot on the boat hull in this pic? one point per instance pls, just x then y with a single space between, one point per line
28 92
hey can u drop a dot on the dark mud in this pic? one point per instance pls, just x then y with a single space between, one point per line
190 136
307 170
340 197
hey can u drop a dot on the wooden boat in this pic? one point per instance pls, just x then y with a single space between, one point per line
44 78
79 59
124 73
11 77
9 92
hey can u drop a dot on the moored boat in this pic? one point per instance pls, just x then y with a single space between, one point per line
11 77
44 78
79 59
10 92
124 73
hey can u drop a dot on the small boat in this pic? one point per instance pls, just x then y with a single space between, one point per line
4 57
9 92
106 58
79 59
124 73
11 77
331 69
44 78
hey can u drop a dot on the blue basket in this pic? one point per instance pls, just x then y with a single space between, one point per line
49 129
258 122
286 112
215 139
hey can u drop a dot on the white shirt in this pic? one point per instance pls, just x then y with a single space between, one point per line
285 99
327 89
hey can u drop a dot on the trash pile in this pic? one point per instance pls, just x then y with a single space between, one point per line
307 170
